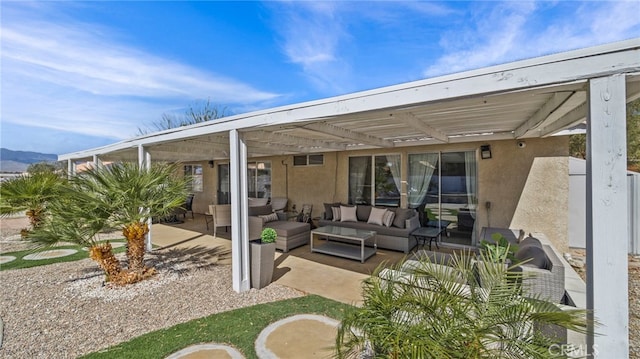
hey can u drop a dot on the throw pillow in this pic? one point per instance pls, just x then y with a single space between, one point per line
363 212
387 218
402 214
376 216
348 214
328 213
336 213
534 257
269 217
530 241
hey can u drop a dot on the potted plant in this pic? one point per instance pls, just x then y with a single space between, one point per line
263 252
500 248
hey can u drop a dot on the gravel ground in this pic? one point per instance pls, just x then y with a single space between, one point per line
64 310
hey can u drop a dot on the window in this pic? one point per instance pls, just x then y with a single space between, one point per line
258 178
224 186
195 173
308 160
375 180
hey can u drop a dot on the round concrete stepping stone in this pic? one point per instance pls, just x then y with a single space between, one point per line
54 253
205 351
6 259
298 336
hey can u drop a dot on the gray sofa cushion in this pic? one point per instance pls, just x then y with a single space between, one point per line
533 255
288 228
260 210
362 212
402 214
530 241
381 230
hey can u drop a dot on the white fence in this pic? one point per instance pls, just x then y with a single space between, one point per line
578 204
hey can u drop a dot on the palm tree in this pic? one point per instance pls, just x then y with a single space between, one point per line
122 196
463 310
76 216
133 195
30 194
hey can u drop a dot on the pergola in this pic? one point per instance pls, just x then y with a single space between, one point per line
532 98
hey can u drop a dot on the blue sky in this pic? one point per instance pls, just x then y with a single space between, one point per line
76 75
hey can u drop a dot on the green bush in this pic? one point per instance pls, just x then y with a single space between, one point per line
268 235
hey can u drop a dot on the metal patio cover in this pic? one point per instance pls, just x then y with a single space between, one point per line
531 98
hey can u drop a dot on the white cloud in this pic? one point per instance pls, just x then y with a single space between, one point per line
77 77
333 41
516 30
312 33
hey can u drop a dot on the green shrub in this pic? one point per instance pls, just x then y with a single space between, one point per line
268 235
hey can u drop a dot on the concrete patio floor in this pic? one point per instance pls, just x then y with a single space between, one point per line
328 276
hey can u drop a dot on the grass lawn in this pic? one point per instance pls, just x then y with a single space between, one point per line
238 328
19 262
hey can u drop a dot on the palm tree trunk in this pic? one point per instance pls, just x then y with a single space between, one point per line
103 254
135 234
35 217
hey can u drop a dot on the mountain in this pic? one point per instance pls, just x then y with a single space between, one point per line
19 161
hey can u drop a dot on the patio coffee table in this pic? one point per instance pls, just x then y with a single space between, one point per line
340 242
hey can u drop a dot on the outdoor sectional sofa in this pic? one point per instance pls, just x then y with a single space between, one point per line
394 234
541 266
290 234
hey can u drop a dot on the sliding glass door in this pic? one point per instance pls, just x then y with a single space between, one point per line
444 186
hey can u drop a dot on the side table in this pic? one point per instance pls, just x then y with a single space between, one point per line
428 233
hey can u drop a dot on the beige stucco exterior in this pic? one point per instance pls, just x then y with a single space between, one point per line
527 187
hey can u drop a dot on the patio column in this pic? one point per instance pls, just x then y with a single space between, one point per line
239 213
71 168
607 222
96 161
144 161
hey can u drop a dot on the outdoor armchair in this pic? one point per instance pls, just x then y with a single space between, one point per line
220 216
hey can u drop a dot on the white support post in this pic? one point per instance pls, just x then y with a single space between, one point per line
239 213
144 161
96 161
71 168
607 222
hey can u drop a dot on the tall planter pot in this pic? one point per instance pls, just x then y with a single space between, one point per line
262 263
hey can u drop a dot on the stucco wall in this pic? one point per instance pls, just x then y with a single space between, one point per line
527 187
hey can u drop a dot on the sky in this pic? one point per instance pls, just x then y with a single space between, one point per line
76 75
